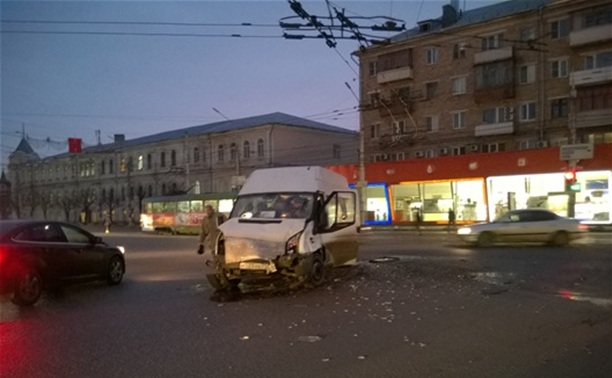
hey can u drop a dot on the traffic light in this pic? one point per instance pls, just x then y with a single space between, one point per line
571 184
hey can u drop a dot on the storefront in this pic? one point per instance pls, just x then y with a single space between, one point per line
434 199
377 202
590 203
480 187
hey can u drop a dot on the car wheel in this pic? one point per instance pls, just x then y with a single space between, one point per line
28 287
316 276
485 239
560 239
116 269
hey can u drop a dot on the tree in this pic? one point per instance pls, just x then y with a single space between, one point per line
86 198
66 202
44 203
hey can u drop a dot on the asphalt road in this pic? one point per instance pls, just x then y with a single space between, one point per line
415 306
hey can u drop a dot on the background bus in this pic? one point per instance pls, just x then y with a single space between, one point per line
182 214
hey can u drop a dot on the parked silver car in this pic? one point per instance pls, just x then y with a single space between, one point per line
528 225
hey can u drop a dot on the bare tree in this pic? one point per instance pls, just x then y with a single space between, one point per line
44 202
31 199
66 202
85 199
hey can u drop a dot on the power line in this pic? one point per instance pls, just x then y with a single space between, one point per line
141 23
138 34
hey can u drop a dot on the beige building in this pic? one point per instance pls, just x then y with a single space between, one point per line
211 158
514 75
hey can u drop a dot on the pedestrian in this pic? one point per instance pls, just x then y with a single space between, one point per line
107 224
208 231
451 219
419 221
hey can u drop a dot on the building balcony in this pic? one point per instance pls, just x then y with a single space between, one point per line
486 94
402 73
395 108
494 129
494 55
594 118
597 34
590 77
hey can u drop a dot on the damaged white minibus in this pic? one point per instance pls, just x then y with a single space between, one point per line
291 223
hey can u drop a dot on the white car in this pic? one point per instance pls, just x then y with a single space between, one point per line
528 225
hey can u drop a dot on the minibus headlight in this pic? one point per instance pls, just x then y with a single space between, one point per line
292 244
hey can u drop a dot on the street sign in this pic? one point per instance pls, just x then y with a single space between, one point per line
576 151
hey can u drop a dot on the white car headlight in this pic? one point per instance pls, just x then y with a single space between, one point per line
464 231
121 249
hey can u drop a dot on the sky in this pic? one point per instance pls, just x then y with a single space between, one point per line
93 69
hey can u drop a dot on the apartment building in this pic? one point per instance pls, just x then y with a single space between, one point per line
510 76
113 178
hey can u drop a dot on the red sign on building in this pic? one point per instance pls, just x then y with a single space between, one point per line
74 145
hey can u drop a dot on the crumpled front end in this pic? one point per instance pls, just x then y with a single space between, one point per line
255 258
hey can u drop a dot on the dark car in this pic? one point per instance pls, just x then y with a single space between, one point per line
43 255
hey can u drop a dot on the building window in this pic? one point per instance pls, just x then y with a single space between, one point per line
528 35
431 123
458 85
458 151
203 155
399 127
111 167
558 108
558 68
162 159
431 89
597 17
173 158
431 55
260 148
459 119
150 191
373 68
233 152
492 42
527 74
196 155
375 131
495 115
336 151
459 50
594 97
140 162
559 29
494 74
374 98
246 150
220 153
493 147
102 168
600 60
528 111
149 161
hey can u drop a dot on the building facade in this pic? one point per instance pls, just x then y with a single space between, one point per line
511 76
112 179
